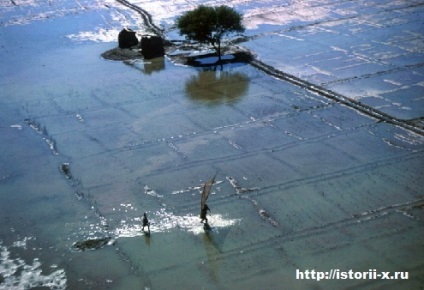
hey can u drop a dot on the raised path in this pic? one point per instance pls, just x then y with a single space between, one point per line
363 108
147 18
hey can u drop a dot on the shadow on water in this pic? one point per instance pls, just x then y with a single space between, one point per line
214 87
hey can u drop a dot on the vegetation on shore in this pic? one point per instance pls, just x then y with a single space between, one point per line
210 24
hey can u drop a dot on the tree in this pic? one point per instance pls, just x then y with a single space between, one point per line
209 24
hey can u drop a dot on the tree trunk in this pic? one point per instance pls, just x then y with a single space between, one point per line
219 51
217 46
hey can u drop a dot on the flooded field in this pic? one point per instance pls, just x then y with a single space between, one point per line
317 145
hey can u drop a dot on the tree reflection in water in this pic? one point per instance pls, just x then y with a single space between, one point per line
217 87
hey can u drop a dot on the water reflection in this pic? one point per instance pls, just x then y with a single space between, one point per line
148 66
147 239
211 252
216 87
213 242
154 65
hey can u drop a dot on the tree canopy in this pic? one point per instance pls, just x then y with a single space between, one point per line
209 24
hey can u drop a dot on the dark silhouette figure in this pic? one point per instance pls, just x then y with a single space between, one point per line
203 213
146 223
127 38
152 47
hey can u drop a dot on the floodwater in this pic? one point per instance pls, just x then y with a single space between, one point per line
303 181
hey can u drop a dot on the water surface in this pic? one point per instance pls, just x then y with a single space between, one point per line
303 181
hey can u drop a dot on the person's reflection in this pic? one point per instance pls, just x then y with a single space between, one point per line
147 239
213 241
216 87
212 252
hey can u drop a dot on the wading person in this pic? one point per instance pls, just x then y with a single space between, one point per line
203 213
146 223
